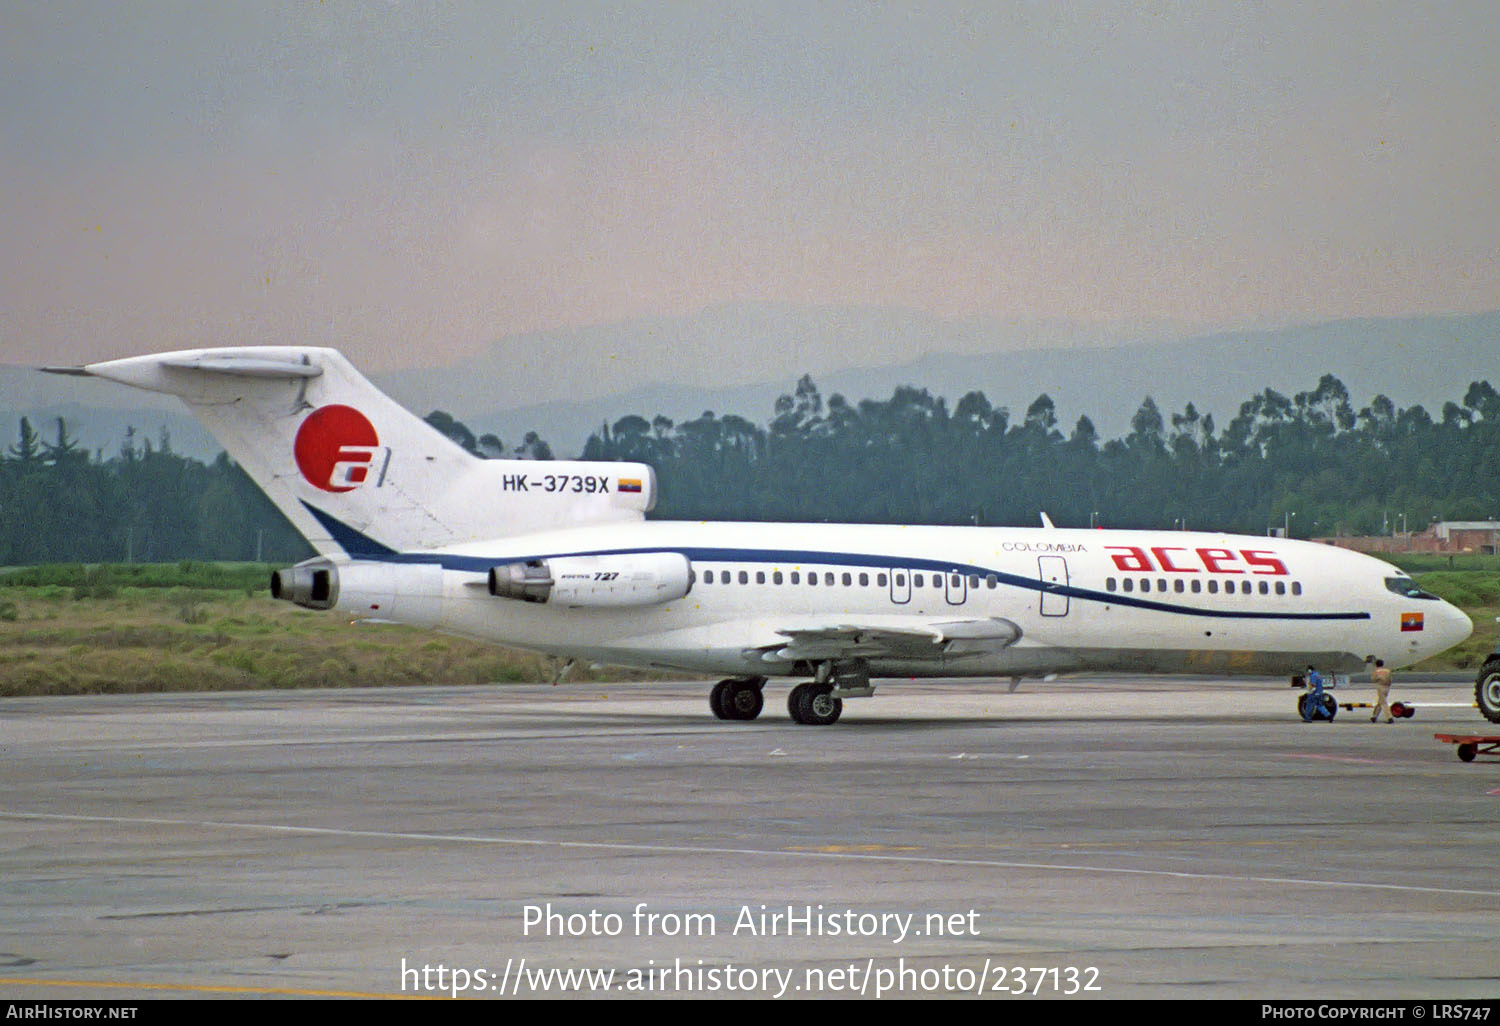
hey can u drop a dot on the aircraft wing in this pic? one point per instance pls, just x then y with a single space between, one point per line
952 638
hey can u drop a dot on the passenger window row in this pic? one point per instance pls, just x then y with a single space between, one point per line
829 580
1196 586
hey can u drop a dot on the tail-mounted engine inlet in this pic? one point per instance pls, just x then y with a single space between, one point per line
530 581
312 585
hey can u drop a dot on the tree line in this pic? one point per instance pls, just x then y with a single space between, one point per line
144 504
1310 462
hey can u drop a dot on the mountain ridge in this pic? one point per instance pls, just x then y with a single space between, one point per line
1426 360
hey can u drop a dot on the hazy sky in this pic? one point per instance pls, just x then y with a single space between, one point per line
410 182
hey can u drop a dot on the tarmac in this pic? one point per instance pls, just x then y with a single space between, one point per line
1088 838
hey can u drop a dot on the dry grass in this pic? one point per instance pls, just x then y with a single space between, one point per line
182 639
58 639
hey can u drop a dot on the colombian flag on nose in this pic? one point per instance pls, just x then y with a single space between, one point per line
1411 621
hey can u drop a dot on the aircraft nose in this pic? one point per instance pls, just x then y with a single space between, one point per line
1454 626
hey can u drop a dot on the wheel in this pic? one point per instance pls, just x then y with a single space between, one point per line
736 699
794 703
1330 707
814 705
743 701
822 707
1466 752
1487 690
718 699
1302 706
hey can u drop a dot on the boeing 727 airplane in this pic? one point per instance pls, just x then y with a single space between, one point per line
558 557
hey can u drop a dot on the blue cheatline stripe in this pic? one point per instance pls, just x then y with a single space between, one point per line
360 546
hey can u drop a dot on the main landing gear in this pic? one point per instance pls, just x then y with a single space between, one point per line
816 703
737 698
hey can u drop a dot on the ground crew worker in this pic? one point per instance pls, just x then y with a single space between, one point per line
1312 706
1381 678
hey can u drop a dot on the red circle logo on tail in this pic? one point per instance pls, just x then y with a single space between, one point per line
335 447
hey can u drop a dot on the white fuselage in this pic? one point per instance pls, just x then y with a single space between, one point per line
1123 601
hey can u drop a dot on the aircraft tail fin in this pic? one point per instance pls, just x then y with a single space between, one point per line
358 474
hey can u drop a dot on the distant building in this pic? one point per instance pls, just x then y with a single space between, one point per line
1469 535
1444 537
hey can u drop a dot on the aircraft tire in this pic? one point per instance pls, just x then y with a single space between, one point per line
718 699
742 700
814 705
794 703
1487 690
822 707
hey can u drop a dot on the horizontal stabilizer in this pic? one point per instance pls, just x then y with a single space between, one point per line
249 367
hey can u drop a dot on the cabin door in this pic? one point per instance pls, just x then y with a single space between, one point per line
1053 571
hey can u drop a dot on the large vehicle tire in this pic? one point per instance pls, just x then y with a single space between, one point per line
1487 690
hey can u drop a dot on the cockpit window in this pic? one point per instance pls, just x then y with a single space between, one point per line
1407 588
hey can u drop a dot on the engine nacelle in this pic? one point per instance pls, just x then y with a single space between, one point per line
402 592
640 579
312 585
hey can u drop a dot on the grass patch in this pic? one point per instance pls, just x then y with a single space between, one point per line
1416 563
1477 593
1467 589
169 628
176 634
83 580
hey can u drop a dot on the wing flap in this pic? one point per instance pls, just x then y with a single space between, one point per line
921 641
